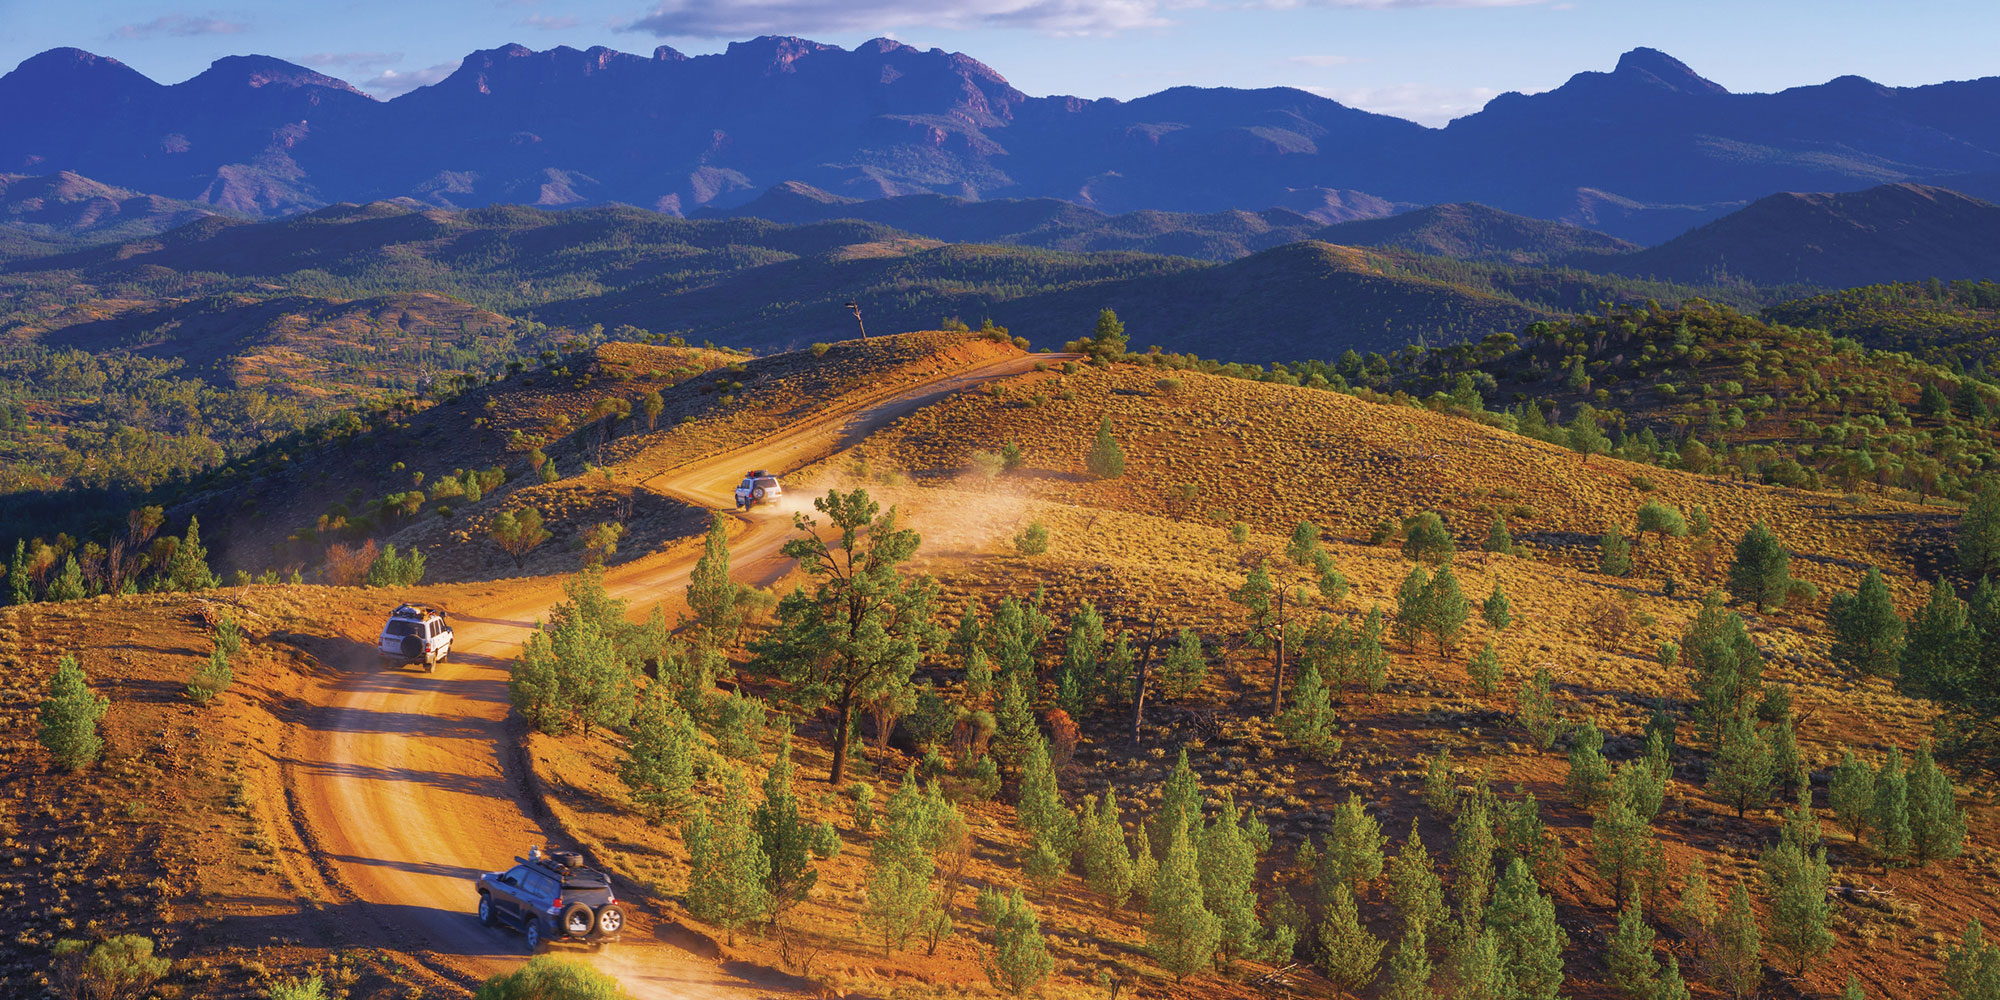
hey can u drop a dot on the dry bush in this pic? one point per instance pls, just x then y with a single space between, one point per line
348 566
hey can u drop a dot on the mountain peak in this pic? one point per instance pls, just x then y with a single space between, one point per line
256 72
1658 69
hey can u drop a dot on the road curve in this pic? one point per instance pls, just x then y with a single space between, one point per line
397 784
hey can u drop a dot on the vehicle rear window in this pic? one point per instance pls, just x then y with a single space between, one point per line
401 628
767 483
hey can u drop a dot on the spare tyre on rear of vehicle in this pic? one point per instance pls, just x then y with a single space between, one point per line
577 920
413 647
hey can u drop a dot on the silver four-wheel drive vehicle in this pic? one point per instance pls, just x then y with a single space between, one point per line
416 634
552 897
758 487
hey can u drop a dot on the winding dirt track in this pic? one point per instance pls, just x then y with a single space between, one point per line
399 789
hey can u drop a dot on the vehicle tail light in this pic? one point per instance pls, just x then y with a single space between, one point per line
555 908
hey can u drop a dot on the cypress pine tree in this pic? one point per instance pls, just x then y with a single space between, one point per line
1742 773
1425 539
1972 967
1081 652
1448 609
1308 720
1414 885
1304 550
713 599
1939 649
1410 968
1697 912
901 897
1623 846
728 873
1739 949
1498 610
1371 661
1497 537
1795 881
658 769
1728 670
1761 572
1183 934
1672 986
68 717
1105 459
1851 793
1014 723
1476 966
1019 961
1867 632
1145 872
1180 804
1484 671
1227 862
187 568
1043 815
1889 813
1472 849
1348 952
1979 532
20 589
1186 668
1535 709
1937 824
1352 853
1413 610
784 834
1531 942
1614 553
1589 778
1522 834
1107 861
1634 970
68 584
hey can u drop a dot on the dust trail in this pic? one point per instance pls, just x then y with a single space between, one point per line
968 518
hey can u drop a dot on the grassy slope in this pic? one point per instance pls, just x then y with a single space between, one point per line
1270 455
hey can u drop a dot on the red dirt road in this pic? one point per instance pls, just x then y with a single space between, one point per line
398 786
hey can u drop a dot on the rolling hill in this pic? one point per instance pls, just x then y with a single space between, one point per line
1476 232
66 206
1895 232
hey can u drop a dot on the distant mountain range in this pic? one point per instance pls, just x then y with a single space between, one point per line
1643 152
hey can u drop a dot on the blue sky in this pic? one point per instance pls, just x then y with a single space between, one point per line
1428 60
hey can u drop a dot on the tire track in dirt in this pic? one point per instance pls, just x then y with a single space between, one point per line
401 787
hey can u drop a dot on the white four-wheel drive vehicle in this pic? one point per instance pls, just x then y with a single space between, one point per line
416 634
758 487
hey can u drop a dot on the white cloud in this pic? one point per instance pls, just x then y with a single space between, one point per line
180 25
547 22
354 60
1394 4
737 18
1417 102
390 83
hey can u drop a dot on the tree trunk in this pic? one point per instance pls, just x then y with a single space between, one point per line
1278 662
1139 688
840 738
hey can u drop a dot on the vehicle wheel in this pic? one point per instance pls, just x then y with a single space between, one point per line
757 494
486 911
610 920
533 932
577 920
430 665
